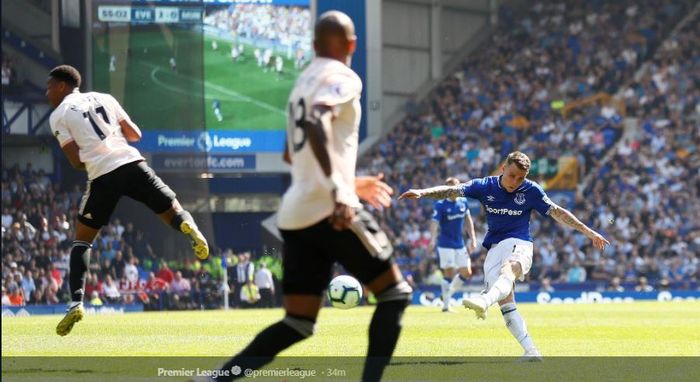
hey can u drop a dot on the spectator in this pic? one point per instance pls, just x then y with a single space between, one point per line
266 286
111 291
546 285
95 299
250 295
165 273
180 290
615 285
576 274
643 285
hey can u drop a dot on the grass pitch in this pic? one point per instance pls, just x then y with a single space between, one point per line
428 340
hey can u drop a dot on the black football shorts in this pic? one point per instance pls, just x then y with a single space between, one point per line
135 180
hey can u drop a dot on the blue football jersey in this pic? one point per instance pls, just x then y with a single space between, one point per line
507 213
450 216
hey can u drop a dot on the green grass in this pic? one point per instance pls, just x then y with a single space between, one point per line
641 329
158 98
251 99
155 97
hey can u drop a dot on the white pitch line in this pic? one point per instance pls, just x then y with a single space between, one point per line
229 92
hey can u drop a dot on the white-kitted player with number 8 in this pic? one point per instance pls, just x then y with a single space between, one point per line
320 218
94 132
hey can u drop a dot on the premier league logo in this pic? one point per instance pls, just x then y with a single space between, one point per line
204 142
519 198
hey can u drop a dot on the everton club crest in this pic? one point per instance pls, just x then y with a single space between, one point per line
519 198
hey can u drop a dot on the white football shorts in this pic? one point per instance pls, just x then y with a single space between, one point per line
454 258
510 249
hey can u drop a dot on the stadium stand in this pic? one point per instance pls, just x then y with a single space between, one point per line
36 236
547 83
512 95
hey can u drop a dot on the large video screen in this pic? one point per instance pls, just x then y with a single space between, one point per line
203 76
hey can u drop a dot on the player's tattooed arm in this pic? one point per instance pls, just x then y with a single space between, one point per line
565 217
439 192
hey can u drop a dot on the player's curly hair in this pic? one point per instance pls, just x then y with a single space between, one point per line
519 159
67 74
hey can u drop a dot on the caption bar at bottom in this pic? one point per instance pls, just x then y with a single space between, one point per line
250 373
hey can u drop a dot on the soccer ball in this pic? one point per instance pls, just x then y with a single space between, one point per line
344 292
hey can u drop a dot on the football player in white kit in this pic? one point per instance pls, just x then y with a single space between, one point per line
321 218
93 131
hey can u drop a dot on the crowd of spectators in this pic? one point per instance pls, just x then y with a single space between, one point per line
645 199
511 96
282 25
37 231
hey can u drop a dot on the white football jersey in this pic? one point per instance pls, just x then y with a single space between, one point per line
308 200
92 121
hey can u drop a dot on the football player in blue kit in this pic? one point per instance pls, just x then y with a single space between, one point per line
449 216
508 200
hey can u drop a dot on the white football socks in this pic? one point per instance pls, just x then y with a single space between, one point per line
500 290
516 325
446 292
456 283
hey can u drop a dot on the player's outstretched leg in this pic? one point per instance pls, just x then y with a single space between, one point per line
277 337
182 221
385 328
502 287
79 262
517 327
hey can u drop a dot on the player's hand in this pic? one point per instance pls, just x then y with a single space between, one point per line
431 246
598 240
472 246
342 216
411 194
374 191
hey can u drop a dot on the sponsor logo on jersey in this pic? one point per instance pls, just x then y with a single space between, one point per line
490 198
503 211
455 216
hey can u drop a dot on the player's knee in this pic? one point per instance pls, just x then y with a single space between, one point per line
401 291
516 268
302 325
80 255
508 299
466 272
507 271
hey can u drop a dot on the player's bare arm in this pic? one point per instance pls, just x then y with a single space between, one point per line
316 132
439 192
373 190
72 151
131 132
434 226
472 233
565 217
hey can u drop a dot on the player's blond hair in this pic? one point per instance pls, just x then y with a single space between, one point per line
519 159
452 181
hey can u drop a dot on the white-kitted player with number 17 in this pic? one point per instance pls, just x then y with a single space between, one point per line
94 132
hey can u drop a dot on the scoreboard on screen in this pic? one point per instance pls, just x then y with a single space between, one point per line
147 14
